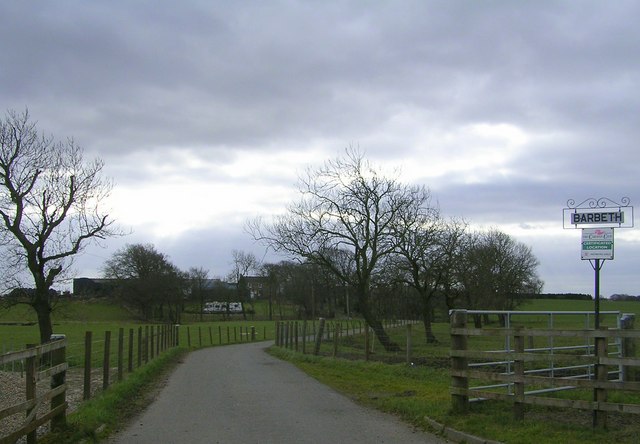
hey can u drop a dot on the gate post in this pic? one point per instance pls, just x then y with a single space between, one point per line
629 373
316 349
600 394
58 357
409 345
459 364
30 376
518 368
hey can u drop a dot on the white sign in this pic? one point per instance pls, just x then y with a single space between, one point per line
613 217
597 243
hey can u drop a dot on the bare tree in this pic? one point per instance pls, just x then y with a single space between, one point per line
147 280
198 277
243 263
426 256
50 208
494 270
346 205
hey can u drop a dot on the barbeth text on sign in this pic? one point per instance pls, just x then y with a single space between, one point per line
598 218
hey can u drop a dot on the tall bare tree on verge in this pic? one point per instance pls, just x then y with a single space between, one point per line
50 208
147 280
346 205
243 263
494 271
425 260
198 278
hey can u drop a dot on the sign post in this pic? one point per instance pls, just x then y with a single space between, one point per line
597 218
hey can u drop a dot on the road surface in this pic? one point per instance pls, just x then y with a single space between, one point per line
240 394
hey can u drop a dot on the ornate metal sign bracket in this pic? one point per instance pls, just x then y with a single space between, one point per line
601 213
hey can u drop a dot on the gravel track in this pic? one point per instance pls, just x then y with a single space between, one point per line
240 394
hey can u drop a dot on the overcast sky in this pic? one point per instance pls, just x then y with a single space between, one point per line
205 112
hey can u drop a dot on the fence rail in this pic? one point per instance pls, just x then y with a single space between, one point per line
41 362
514 368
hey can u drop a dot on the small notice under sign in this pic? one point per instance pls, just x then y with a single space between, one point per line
597 243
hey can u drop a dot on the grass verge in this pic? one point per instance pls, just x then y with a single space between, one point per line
417 392
103 415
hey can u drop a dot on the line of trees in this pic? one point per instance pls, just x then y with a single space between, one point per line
355 234
371 231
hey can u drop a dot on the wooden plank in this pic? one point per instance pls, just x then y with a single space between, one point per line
632 362
19 355
56 369
17 408
564 403
12 438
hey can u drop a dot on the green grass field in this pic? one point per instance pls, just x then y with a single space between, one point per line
410 391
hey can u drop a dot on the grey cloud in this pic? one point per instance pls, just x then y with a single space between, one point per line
143 83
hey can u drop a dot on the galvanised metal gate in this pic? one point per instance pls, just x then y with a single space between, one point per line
510 318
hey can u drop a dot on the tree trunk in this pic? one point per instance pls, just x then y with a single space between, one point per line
383 337
43 310
376 325
426 320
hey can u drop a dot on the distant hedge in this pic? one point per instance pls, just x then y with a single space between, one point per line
567 296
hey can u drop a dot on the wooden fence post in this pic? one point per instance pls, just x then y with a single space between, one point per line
316 349
30 375
139 347
130 362
600 394
409 344
367 345
158 339
86 394
629 373
287 327
188 337
220 334
121 354
336 338
253 333
152 343
304 337
106 361
295 334
459 381
58 357
518 366
146 344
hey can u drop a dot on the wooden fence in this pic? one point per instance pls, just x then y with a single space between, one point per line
524 387
44 361
134 350
296 335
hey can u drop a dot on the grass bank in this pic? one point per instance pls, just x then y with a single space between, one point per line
114 408
415 393
419 391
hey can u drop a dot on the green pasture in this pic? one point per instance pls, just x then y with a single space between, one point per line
18 327
386 382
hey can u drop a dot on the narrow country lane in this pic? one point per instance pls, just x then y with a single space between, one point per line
240 394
